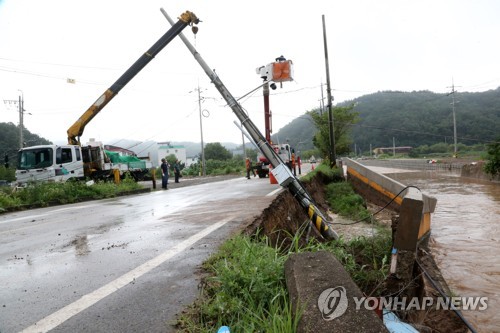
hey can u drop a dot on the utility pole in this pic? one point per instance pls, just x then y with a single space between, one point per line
322 104
281 171
393 147
243 145
203 166
452 93
267 112
20 106
330 100
21 120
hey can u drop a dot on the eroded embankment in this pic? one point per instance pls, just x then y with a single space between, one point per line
281 221
284 217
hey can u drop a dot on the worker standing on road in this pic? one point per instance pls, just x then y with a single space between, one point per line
164 173
294 169
248 165
177 171
298 165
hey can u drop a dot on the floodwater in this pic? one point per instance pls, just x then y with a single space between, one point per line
465 238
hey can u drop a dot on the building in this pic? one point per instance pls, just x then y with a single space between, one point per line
165 149
391 150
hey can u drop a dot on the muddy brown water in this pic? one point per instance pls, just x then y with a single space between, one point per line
465 238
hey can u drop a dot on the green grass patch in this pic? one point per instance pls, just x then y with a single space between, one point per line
326 174
43 194
345 202
245 291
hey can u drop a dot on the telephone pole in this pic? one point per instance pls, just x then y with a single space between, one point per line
330 100
203 165
452 93
21 120
20 105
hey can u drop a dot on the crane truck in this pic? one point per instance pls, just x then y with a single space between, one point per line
59 163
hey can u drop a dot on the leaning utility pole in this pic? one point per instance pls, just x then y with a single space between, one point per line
282 173
330 100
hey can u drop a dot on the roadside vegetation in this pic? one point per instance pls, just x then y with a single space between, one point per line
43 194
244 287
492 165
435 151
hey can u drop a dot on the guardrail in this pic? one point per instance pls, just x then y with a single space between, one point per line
380 189
415 164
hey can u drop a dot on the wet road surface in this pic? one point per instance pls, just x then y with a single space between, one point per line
116 265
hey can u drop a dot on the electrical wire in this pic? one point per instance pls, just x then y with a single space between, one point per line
443 294
378 211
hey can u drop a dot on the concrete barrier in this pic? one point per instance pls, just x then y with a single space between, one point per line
381 189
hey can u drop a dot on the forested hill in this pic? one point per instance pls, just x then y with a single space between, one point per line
413 119
9 140
425 118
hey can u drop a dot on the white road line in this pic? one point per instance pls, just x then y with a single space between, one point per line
28 217
274 192
59 317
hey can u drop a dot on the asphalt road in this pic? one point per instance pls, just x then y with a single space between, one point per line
126 264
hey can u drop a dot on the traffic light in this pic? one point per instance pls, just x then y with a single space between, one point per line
6 160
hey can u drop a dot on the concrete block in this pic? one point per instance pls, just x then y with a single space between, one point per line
308 276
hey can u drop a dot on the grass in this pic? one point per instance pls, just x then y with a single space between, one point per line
345 202
245 290
43 194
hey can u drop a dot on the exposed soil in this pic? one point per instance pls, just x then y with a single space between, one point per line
285 217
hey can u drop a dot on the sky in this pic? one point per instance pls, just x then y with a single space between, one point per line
62 55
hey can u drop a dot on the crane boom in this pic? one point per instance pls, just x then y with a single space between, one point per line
284 175
76 130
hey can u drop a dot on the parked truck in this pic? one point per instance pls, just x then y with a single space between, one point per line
283 150
60 163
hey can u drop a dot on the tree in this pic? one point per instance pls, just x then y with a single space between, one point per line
492 165
343 119
171 160
215 151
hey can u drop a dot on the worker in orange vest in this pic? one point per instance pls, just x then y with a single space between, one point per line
293 165
249 168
